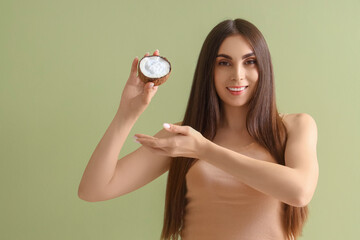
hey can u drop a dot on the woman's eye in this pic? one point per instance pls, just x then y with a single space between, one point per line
224 63
251 61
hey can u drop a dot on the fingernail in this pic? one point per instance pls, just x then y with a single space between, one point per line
156 50
151 85
166 125
135 137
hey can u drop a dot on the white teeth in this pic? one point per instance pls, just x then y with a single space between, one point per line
237 89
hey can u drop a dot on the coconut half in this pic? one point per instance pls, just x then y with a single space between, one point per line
155 69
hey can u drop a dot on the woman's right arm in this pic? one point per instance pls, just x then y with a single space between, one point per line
105 177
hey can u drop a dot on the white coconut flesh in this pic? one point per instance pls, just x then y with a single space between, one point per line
154 67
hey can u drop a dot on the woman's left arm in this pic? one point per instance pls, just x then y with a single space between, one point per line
294 183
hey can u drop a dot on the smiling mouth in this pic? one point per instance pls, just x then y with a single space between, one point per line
237 90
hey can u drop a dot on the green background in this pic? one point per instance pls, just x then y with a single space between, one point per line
63 65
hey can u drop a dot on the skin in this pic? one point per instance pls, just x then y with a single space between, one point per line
105 177
235 72
233 149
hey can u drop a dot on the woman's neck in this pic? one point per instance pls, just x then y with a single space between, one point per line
234 118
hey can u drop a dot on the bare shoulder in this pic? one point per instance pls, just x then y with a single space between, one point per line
295 122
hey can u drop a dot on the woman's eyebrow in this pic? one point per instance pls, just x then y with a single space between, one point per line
243 57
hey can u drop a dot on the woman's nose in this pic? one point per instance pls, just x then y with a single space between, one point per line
239 73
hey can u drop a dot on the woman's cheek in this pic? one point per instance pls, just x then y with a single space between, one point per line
253 76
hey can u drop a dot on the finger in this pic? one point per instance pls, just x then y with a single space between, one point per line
185 130
156 53
146 54
138 135
153 142
147 142
134 64
149 92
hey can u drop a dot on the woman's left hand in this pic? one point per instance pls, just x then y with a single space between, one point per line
186 142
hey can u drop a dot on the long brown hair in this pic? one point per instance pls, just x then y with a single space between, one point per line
204 112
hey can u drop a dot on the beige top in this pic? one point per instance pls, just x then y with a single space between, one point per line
220 207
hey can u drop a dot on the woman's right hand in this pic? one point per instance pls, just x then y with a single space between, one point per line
136 95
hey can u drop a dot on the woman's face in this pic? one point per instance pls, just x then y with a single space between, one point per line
235 68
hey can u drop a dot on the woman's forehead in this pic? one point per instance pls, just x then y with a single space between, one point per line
235 45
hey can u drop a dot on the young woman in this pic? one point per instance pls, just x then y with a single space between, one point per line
237 168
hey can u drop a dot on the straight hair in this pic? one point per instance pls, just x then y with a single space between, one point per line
204 113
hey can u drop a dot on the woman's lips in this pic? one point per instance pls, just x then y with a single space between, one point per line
237 90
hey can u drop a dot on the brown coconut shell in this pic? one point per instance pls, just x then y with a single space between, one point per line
156 81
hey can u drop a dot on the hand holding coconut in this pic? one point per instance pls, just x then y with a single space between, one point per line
139 90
